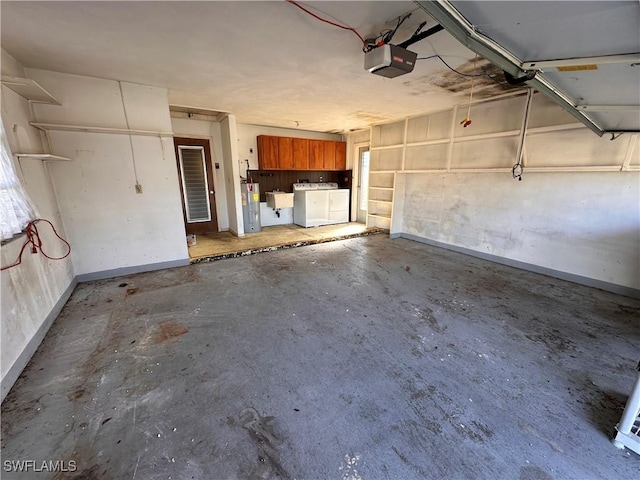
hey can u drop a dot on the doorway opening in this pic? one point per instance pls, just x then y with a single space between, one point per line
195 173
361 173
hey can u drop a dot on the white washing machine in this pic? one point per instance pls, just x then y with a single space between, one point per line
316 204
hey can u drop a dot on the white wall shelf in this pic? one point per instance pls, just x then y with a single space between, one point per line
29 89
46 157
381 188
591 168
109 130
388 202
425 170
487 136
428 143
387 147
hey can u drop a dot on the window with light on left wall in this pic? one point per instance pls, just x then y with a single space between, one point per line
16 209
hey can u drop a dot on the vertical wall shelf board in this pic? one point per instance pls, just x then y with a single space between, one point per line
29 89
45 157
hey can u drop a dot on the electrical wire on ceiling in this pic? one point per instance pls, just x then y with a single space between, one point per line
344 27
398 24
419 29
453 69
386 36
367 45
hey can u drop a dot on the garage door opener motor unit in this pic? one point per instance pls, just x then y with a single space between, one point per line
390 61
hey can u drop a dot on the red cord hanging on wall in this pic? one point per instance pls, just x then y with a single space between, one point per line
33 238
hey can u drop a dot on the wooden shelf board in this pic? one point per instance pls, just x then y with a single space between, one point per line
427 143
29 89
47 157
110 130
386 147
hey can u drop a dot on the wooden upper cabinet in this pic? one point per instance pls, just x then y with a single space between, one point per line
285 153
329 155
300 154
316 154
341 156
267 152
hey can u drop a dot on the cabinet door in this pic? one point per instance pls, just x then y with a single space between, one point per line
285 153
267 152
341 155
329 155
300 154
316 154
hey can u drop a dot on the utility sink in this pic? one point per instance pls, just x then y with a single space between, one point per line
279 200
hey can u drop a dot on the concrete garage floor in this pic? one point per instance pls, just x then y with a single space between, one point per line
366 358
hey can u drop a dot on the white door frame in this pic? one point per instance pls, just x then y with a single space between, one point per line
355 179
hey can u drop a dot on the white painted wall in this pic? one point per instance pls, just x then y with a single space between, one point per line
578 222
353 139
228 133
186 127
248 146
583 223
360 136
33 291
111 227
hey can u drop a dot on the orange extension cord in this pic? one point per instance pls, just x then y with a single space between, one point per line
344 27
33 238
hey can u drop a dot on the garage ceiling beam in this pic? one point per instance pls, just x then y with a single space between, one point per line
630 58
460 28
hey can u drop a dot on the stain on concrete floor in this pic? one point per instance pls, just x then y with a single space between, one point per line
331 361
168 330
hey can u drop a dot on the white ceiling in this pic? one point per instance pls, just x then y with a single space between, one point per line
267 62
270 63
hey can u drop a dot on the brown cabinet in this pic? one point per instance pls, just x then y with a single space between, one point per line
329 155
300 154
267 152
341 156
286 153
316 154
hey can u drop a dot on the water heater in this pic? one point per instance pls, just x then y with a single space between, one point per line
250 193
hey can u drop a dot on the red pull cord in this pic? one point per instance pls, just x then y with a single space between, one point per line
33 238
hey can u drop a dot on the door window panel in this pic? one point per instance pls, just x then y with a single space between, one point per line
194 184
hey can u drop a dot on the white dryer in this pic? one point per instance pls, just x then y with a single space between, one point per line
316 204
